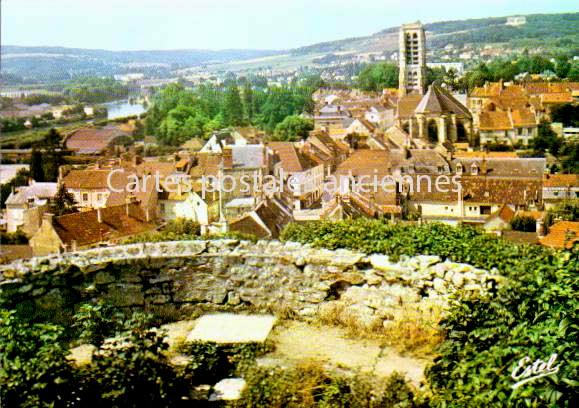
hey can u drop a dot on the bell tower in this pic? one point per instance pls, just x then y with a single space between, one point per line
412 59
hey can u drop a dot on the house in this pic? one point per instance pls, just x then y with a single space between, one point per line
558 187
361 127
266 221
475 199
498 165
87 229
509 127
25 206
320 148
99 187
183 202
562 235
307 177
499 220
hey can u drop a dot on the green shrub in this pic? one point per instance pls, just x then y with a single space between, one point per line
524 223
135 375
13 238
311 386
33 369
95 323
211 362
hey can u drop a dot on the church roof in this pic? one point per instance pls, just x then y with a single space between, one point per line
438 100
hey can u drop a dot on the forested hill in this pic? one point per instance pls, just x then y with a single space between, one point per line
561 28
61 63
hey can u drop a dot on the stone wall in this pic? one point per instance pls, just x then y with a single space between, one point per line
236 275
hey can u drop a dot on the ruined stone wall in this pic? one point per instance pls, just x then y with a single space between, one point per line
235 275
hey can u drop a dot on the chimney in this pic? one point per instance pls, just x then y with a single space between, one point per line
48 218
540 227
228 157
484 167
99 215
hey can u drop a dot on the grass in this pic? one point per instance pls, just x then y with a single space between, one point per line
413 330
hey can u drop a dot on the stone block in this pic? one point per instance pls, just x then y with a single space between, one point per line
228 389
228 328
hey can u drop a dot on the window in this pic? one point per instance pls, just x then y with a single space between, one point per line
99 197
485 209
84 196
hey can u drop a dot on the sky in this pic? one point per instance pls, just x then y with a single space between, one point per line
222 24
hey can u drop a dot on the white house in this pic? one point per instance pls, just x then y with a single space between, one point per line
25 206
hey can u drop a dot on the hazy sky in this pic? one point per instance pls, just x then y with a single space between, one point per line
218 24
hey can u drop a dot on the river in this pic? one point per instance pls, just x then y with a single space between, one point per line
123 108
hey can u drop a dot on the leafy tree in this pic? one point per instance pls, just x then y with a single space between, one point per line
63 202
569 157
435 75
568 114
378 76
293 128
573 74
562 66
546 139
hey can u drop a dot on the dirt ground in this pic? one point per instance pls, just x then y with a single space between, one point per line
298 342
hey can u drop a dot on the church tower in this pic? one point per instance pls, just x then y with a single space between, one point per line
412 59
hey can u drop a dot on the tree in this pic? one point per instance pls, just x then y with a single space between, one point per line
63 202
36 169
573 73
293 128
562 66
248 101
546 139
376 77
567 114
233 108
435 74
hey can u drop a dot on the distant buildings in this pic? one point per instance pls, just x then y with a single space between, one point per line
516 21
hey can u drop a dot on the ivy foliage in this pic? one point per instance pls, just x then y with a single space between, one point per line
533 314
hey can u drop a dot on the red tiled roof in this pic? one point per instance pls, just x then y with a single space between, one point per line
524 118
495 120
288 155
84 227
562 235
559 97
561 180
92 140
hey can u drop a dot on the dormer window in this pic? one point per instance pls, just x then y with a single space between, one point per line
459 168
474 169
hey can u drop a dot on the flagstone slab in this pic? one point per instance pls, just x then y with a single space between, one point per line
230 328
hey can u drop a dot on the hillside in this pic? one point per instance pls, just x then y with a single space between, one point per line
540 28
58 63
